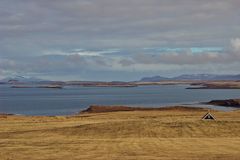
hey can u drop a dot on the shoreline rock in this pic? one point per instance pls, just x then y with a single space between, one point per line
226 103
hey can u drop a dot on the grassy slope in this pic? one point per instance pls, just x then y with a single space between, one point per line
167 134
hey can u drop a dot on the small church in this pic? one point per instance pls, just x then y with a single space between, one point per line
208 116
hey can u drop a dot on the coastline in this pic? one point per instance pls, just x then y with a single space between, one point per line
117 108
194 84
125 108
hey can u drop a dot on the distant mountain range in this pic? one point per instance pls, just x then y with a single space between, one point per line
22 79
154 79
192 77
33 80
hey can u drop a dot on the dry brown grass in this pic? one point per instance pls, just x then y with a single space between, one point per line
167 134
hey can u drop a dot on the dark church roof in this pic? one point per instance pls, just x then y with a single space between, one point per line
208 116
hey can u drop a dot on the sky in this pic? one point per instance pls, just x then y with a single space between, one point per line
118 39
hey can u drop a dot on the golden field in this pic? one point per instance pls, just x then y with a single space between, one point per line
175 133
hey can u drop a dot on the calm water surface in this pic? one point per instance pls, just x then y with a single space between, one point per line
70 100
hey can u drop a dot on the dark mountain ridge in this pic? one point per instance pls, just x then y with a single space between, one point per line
192 77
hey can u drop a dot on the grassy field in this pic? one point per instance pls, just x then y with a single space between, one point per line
167 134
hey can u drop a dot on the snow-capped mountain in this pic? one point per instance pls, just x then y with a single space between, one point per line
21 79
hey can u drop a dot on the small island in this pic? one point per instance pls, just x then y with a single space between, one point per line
215 85
41 86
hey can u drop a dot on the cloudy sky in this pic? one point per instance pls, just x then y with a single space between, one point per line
118 39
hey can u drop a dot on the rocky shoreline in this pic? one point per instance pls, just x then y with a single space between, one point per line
226 103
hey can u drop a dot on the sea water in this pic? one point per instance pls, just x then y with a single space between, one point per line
72 99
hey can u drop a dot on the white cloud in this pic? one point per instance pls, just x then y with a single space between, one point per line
81 52
79 61
235 44
63 36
